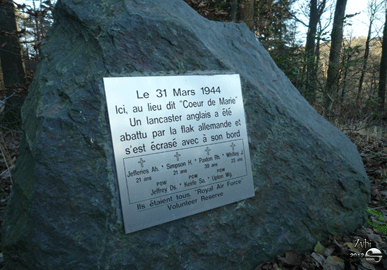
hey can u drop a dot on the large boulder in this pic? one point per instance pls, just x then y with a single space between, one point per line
64 211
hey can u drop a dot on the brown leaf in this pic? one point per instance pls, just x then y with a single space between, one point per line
375 192
352 247
334 263
291 258
329 250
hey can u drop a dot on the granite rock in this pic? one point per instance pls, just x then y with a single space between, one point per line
64 211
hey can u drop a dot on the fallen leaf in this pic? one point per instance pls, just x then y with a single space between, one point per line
291 258
319 258
352 247
319 248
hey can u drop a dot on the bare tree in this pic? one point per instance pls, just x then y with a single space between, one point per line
233 10
247 13
373 7
383 66
334 54
316 10
11 61
10 51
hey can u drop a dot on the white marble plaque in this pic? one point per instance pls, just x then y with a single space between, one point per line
180 145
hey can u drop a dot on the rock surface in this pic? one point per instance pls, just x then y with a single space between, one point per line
64 210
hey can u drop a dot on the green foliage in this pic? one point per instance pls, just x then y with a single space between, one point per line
293 62
335 259
319 248
34 19
271 19
379 222
272 23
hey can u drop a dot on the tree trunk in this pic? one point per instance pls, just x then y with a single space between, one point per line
314 18
334 54
37 30
373 7
233 10
317 49
346 59
365 59
10 54
247 13
11 61
383 67
309 50
2 85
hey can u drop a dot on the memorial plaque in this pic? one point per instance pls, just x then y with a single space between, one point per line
180 145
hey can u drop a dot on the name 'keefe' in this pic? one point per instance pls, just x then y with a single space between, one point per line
190 183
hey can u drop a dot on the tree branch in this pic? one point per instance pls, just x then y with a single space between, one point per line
298 20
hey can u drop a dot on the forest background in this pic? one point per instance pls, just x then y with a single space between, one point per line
336 59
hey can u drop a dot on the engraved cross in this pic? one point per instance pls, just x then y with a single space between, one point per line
141 162
208 150
232 145
177 156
